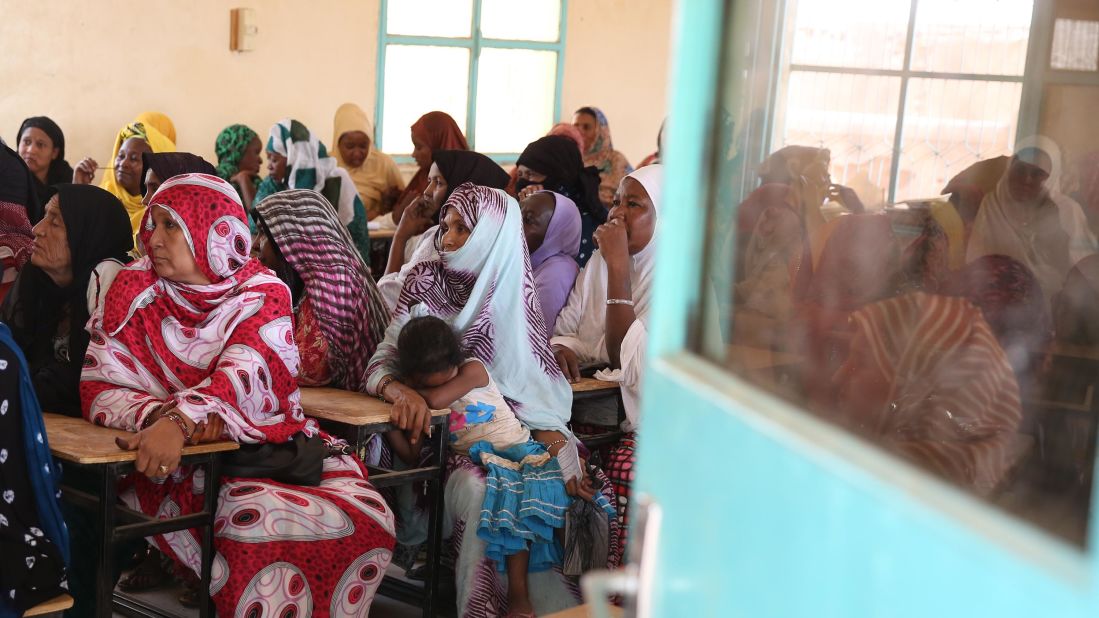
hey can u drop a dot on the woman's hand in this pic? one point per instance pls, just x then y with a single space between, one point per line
529 190
209 431
568 362
613 243
243 178
415 220
390 197
159 448
410 412
847 197
582 487
85 171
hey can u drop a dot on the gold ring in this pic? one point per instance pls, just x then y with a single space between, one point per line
163 469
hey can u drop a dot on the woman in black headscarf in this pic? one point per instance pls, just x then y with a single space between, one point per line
160 166
79 246
553 163
41 145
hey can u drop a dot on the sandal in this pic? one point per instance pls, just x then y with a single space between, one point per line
147 575
189 597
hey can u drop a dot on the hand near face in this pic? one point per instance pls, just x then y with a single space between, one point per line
612 242
85 171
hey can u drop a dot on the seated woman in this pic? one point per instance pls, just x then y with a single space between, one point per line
483 289
159 167
606 318
599 151
376 176
431 132
414 240
551 225
34 546
17 200
124 181
240 157
339 316
80 245
1028 219
296 159
553 163
42 146
198 335
926 379
564 129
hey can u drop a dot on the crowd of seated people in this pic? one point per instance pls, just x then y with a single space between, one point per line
187 301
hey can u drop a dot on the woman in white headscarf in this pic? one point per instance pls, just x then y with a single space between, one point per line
606 318
1028 219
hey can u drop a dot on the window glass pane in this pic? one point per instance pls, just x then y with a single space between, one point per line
515 92
521 20
950 125
957 332
1075 45
850 33
972 36
854 117
448 18
408 69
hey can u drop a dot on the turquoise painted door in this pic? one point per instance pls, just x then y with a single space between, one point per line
767 509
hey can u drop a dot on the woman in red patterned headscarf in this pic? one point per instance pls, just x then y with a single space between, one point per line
433 131
194 341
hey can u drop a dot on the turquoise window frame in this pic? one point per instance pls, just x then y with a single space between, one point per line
474 43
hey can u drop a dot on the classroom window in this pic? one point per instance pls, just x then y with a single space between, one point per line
953 329
494 65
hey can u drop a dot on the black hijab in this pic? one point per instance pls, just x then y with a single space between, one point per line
462 166
17 184
558 158
99 229
168 164
59 171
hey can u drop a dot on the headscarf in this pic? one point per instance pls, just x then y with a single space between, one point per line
612 165
1076 307
1048 235
439 131
98 230
224 348
161 122
347 304
485 291
581 325
229 148
17 201
168 164
59 171
308 166
378 173
554 262
569 130
158 142
970 186
775 263
949 400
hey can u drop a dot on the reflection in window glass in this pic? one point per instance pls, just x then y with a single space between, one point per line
514 97
950 125
521 20
850 33
987 37
446 18
407 69
957 329
1075 45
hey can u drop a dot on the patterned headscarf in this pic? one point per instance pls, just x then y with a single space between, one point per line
349 308
485 291
229 148
612 165
158 142
224 348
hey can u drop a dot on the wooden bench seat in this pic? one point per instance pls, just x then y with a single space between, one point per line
55 605
78 441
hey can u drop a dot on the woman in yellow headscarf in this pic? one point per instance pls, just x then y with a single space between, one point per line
376 176
124 177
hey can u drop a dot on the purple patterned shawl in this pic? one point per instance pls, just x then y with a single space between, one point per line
486 292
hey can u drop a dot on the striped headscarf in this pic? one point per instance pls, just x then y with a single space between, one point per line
349 308
229 148
927 379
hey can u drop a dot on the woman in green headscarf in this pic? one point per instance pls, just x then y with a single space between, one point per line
239 151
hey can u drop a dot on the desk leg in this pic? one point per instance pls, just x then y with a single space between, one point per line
210 505
104 579
435 521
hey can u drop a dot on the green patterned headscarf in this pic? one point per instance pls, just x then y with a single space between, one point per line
229 148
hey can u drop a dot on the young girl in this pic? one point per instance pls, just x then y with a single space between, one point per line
525 499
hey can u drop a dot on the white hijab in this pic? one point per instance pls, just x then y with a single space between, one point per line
581 325
1028 231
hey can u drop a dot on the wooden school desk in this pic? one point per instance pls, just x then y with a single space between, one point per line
92 449
356 417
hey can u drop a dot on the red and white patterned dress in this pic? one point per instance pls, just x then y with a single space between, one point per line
227 349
